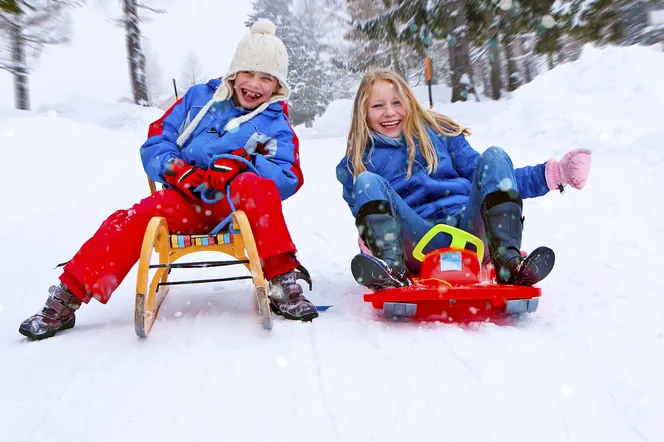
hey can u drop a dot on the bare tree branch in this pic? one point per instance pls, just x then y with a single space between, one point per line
151 9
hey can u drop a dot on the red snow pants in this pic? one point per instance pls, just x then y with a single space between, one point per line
104 260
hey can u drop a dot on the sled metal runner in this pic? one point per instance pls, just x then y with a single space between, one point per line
453 286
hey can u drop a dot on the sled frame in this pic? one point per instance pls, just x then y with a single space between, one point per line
238 243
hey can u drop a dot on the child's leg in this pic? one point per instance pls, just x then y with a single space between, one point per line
494 214
374 195
494 172
259 199
104 260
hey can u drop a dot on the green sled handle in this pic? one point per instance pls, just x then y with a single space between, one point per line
459 240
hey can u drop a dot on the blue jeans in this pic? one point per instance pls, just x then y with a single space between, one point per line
494 171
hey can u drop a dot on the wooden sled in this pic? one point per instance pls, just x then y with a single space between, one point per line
238 242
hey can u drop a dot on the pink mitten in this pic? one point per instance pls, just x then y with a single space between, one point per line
572 169
363 246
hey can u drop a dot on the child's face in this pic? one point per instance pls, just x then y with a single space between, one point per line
254 88
385 114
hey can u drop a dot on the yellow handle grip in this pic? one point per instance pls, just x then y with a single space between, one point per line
459 240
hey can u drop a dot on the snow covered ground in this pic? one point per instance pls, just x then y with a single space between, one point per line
586 366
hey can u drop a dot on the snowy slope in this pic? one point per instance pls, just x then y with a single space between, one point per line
587 366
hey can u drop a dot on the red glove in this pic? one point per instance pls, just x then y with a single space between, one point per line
184 177
223 170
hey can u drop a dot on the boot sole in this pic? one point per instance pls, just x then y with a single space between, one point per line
537 266
371 273
49 334
306 318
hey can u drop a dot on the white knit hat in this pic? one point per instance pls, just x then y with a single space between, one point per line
262 51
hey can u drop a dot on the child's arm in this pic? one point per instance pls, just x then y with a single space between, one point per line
282 163
160 147
345 177
464 158
531 181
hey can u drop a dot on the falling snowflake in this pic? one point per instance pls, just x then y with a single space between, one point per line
505 184
505 4
548 21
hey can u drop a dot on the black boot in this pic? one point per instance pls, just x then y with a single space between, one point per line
502 216
286 298
57 314
381 233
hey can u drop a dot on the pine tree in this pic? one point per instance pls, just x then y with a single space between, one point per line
42 23
363 50
307 76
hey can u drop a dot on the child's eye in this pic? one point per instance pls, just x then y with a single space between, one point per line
376 106
266 79
397 103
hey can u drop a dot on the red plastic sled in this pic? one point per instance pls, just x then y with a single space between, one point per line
454 287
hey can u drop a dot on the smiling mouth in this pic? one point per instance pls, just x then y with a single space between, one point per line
390 124
249 95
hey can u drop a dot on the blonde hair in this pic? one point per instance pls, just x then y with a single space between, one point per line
414 126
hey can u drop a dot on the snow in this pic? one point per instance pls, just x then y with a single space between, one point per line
586 366
657 17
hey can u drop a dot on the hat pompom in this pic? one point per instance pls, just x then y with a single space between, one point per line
263 26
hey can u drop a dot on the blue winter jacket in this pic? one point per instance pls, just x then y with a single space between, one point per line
268 138
441 194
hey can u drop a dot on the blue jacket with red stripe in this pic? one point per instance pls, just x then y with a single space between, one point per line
268 138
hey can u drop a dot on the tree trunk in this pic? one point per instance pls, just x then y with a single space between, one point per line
493 52
514 80
528 68
550 63
395 61
20 70
460 69
135 54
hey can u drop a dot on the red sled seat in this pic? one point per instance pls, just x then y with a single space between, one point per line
454 286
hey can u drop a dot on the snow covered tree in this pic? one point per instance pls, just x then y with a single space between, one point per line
418 23
135 55
307 74
44 22
365 49
158 89
607 21
131 23
192 73
459 43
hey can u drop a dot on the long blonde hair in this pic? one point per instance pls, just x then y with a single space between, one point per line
414 126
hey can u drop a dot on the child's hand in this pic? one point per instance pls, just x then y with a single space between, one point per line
224 169
572 169
184 177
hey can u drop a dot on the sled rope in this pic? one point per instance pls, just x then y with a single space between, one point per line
219 195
